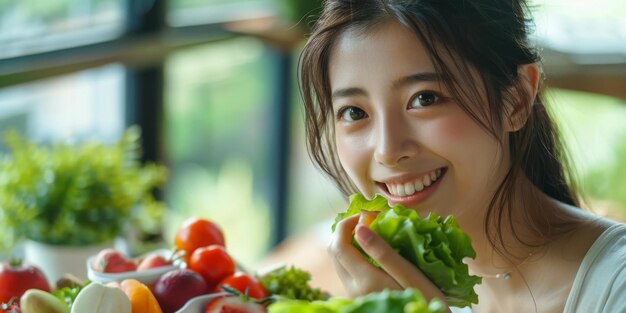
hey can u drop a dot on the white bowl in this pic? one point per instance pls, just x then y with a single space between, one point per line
146 276
199 303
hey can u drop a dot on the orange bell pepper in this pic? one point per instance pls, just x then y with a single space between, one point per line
141 298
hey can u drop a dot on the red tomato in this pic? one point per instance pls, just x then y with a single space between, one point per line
195 233
232 304
245 283
16 278
213 263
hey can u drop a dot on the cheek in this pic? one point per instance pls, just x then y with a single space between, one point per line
473 153
456 128
354 158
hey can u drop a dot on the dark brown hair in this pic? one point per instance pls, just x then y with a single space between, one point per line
489 37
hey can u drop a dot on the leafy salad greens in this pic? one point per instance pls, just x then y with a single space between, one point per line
405 301
291 283
437 246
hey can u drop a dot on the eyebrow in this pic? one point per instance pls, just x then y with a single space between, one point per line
411 79
416 78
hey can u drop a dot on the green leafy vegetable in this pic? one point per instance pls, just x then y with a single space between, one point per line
359 203
387 301
291 283
437 246
68 294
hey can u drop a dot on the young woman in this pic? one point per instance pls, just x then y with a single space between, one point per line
436 105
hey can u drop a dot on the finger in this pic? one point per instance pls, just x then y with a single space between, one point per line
344 252
345 230
367 217
402 271
363 276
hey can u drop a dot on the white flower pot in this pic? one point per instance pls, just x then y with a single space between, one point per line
55 260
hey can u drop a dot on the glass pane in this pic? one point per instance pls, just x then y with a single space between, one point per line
582 26
83 105
217 141
42 25
595 133
195 12
179 4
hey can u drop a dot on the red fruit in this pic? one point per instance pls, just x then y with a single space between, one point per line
113 261
196 233
16 278
213 263
245 283
176 287
153 261
232 304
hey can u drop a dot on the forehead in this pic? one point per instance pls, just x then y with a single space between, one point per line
381 53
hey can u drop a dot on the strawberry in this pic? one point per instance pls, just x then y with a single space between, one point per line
233 304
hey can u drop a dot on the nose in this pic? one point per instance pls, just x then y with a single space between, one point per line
395 142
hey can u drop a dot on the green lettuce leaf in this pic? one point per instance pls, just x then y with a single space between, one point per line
292 283
437 246
359 203
386 301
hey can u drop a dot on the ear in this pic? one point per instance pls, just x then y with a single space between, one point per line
517 113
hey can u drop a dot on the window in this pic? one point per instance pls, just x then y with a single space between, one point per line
595 134
28 27
218 141
83 105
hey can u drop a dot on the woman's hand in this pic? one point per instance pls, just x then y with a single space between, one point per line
359 277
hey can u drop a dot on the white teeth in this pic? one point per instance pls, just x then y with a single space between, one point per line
401 191
408 189
419 186
426 180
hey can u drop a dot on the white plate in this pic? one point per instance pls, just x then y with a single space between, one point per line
198 304
147 276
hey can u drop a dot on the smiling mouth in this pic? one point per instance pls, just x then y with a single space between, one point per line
416 185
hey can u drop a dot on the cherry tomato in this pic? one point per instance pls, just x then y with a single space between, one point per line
242 282
195 233
213 263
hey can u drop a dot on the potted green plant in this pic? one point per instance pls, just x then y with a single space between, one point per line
70 197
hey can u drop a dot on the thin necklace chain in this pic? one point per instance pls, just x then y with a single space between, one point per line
505 275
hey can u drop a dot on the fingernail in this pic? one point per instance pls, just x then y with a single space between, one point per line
364 235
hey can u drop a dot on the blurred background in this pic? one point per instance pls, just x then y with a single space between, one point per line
211 83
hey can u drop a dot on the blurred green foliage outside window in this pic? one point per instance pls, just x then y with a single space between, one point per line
217 141
595 134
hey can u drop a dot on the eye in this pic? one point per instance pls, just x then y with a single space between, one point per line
424 99
351 114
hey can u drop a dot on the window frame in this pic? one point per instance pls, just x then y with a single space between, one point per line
142 48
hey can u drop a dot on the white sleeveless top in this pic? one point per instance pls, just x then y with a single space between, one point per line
600 283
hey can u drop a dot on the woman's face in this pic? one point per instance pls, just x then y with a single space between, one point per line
398 132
